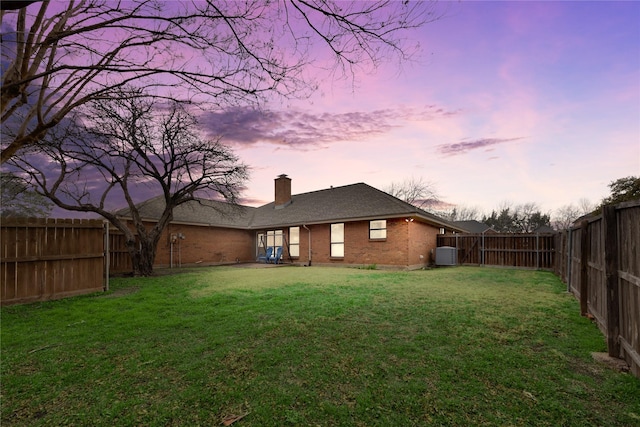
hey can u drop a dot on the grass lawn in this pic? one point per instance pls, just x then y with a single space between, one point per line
313 347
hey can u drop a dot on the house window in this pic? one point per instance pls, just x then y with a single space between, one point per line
274 238
378 229
337 240
261 241
294 241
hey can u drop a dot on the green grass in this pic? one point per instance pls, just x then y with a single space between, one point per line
313 346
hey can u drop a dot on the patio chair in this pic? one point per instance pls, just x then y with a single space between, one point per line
277 256
267 255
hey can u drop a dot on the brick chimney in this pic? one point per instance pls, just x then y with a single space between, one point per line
283 191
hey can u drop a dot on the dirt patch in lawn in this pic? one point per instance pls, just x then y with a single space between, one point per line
612 362
122 292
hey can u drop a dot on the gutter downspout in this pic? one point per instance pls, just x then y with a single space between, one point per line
309 233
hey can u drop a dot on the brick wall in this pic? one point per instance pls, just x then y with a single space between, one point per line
206 245
422 244
404 244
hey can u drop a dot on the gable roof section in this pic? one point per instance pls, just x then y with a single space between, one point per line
544 229
473 226
200 212
337 204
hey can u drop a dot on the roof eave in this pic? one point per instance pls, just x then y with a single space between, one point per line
417 215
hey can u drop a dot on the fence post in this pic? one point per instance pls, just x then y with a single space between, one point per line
569 258
584 267
107 256
457 251
610 225
537 251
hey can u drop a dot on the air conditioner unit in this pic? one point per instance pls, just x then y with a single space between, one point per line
446 255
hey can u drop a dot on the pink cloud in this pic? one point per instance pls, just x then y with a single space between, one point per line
311 130
466 146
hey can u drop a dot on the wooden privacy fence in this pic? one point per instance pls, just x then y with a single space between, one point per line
600 261
43 259
119 257
508 250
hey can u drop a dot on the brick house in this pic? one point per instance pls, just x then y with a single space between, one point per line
352 225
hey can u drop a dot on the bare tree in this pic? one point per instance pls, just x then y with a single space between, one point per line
417 192
566 215
127 146
461 213
62 55
586 206
528 217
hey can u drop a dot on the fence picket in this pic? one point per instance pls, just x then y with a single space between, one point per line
45 259
611 245
507 250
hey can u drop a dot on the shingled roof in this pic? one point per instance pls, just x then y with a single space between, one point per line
337 204
473 226
199 212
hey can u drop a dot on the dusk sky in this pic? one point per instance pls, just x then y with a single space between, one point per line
506 102
509 101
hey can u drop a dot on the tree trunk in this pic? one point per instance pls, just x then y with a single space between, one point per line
147 257
143 255
134 253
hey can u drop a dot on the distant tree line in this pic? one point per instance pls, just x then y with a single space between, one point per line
623 190
524 218
510 218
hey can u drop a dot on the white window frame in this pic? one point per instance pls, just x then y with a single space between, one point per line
378 226
275 238
294 242
337 240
